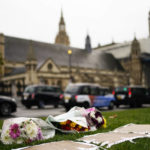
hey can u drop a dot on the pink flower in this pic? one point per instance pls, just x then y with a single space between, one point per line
14 131
90 109
39 136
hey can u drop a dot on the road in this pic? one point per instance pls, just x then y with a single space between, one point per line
49 110
35 112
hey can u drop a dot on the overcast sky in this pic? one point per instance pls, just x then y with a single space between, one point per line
104 20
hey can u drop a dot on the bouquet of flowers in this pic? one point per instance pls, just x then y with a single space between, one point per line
25 130
95 118
78 119
70 122
69 125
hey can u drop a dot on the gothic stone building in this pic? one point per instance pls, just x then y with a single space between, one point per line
134 56
25 62
30 62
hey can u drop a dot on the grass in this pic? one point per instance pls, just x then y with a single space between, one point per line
138 116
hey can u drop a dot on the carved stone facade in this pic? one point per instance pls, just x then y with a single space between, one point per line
136 66
133 64
2 55
30 66
149 23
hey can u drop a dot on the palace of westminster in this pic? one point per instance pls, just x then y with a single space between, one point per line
24 62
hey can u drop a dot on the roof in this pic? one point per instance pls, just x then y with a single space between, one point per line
16 50
18 70
145 57
123 50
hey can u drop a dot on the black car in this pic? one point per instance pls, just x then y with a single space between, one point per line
147 100
41 95
130 95
7 105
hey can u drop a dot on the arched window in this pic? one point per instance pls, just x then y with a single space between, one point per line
49 66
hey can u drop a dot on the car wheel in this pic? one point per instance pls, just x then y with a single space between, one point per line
86 105
28 106
117 105
5 109
41 104
133 104
55 106
111 106
67 108
139 105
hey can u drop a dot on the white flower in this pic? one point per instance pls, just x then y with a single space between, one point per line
31 130
99 119
6 139
19 140
92 114
23 133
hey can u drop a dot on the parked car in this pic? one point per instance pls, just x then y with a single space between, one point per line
7 105
41 95
107 100
147 100
130 95
81 94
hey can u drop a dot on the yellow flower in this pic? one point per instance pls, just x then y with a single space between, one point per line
63 123
79 126
86 129
72 124
104 125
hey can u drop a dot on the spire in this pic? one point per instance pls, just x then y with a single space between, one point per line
61 19
135 48
88 43
62 37
134 40
112 41
149 23
31 54
135 36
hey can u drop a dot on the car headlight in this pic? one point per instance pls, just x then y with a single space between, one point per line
13 99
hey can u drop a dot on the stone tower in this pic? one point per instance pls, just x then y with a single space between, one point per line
31 64
136 67
62 37
2 55
149 23
88 43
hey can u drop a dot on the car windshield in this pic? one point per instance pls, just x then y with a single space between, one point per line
121 89
56 89
29 89
51 89
72 89
139 90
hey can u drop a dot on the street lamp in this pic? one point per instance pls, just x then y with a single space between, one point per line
69 54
